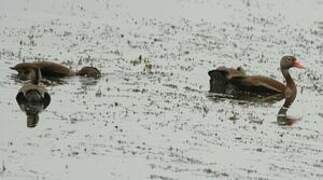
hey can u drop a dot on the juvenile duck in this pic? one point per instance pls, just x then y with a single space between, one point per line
52 70
33 98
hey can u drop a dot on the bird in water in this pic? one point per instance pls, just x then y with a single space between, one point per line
51 70
33 98
236 82
290 90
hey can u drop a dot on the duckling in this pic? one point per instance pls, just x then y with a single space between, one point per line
52 70
33 98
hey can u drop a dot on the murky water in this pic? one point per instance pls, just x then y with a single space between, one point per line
153 119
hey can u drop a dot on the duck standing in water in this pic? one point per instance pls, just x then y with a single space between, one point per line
52 70
236 82
33 99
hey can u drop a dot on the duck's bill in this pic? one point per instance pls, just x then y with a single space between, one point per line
299 64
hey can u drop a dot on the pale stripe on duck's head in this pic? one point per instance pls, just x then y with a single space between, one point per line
290 61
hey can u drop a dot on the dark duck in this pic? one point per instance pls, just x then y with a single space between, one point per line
33 98
236 82
51 70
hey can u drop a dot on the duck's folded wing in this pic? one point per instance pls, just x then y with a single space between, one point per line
53 69
259 83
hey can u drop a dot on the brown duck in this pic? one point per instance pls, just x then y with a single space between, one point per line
52 70
237 82
33 98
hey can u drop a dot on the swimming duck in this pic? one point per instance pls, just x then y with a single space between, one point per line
33 98
237 82
238 79
52 70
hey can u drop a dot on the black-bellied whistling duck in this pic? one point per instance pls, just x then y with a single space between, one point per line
33 98
236 82
52 70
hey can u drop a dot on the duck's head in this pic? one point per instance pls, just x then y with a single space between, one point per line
290 61
89 72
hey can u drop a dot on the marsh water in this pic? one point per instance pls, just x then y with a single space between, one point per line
150 115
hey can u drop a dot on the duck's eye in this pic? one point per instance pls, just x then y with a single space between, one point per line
291 59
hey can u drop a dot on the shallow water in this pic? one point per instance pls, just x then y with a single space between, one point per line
153 119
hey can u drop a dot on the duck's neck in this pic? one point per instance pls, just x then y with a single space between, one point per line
38 77
289 81
290 93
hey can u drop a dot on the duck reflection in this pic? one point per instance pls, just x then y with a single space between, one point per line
286 120
33 98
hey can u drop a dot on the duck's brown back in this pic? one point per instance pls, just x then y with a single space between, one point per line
230 73
51 69
48 69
